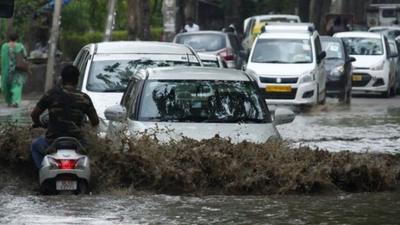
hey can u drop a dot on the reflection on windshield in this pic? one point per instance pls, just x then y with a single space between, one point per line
114 75
363 46
202 101
282 51
333 49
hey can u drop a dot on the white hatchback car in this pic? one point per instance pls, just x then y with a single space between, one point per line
197 103
287 62
106 67
372 70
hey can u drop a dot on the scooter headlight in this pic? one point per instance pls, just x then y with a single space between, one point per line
337 71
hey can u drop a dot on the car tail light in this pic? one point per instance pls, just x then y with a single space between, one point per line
227 54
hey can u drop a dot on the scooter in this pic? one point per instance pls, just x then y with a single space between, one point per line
65 170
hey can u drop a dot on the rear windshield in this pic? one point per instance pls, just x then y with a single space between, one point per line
114 75
282 51
333 49
203 42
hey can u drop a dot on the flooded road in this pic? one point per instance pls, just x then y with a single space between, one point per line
369 124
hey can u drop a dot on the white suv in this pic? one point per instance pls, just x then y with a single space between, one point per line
287 62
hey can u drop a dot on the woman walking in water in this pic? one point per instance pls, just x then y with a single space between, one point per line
12 80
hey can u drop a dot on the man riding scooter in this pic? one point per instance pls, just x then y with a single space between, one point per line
67 108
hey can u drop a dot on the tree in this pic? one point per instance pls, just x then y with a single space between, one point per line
139 17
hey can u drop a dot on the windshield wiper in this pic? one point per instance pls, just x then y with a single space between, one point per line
114 90
304 61
332 58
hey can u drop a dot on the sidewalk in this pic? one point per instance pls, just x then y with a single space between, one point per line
26 106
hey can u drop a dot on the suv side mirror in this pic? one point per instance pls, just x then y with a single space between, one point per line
283 115
6 8
116 113
321 56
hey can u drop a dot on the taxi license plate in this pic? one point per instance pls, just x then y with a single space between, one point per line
356 78
66 185
278 88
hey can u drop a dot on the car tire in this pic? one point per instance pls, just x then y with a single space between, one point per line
387 93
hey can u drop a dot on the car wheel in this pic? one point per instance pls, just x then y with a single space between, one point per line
387 93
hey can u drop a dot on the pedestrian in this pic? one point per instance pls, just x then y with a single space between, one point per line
12 79
190 25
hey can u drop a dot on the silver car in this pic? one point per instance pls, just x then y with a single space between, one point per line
197 103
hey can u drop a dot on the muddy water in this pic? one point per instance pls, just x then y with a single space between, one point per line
368 125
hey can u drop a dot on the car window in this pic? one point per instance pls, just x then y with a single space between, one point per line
282 51
363 46
249 27
203 42
333 50
280 19
114 75
210 63
202 101
388 13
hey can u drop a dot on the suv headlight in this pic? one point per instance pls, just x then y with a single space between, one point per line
337 71
305 78
378 66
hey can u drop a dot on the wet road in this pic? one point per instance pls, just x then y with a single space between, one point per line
369 124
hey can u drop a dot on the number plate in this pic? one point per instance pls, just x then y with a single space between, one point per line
357 78
66 185
278 88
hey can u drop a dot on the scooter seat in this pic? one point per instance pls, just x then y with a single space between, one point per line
65 144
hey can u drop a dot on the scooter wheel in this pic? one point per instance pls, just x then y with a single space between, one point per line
83 188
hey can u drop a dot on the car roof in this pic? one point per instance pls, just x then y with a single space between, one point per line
364 34
149 47
262 17
384 28
203 32
286 35
330 38
196 73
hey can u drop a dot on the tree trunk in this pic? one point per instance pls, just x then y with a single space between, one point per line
169 11
191 9
232 13
143 20
304 10
318 9
132 28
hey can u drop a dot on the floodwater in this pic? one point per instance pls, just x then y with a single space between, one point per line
369 124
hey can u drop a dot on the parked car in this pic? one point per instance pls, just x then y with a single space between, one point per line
338 69
252 26
394 55
107 67
209 60
372 71
224 44
197 103
287 62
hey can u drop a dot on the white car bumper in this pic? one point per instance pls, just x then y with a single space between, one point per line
301 94
371 81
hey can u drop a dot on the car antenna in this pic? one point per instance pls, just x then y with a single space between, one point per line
188 61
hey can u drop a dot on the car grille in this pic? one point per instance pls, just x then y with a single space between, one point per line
283 80
366 78
280 95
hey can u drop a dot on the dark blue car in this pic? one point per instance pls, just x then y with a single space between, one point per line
338 69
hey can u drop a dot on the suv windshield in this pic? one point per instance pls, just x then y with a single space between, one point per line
203 42
114 75
363 46
282 51
333 49
202 101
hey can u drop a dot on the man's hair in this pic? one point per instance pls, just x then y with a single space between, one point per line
189 19
70 75
13 36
